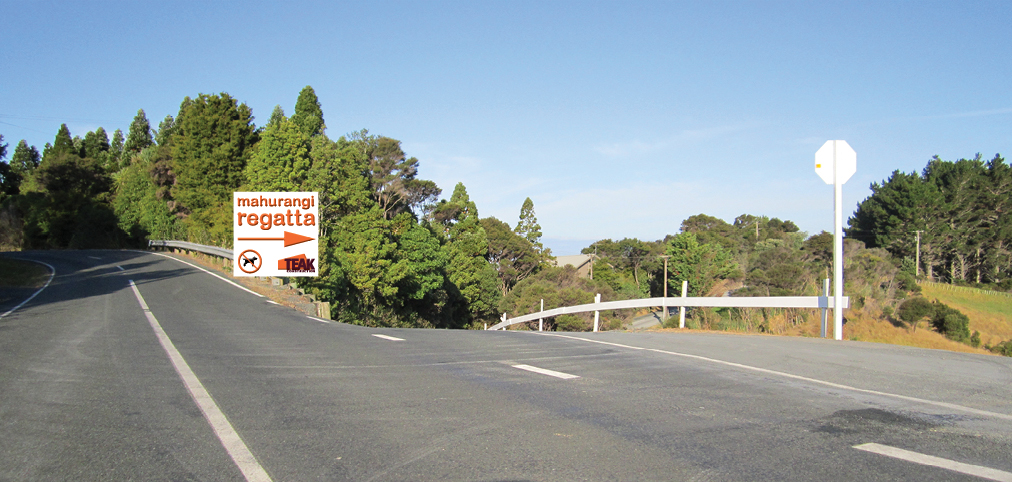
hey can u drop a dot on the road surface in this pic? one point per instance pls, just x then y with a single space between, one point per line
183 376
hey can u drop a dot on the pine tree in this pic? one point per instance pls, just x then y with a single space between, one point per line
63 144
281 160
165 130
25 159
139 135
277 116
529 229
116 151
96 145
210 149
466 248
308 113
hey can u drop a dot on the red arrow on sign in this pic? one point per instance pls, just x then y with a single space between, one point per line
289 239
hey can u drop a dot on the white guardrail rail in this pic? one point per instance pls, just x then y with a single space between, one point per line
201 248
824 302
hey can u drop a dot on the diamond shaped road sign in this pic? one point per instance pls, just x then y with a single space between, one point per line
835 157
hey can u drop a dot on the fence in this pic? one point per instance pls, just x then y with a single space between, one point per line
965 289
824 302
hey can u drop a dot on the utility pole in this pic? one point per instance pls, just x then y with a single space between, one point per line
592 257
917 267
665 307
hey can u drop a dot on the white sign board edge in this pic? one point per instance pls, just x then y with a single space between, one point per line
293 219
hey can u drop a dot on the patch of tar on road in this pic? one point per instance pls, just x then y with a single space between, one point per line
872 421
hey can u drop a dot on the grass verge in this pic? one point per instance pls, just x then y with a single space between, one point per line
16 273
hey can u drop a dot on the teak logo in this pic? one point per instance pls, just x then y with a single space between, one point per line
275 229
297 264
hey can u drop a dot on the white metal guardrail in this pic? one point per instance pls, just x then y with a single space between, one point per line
824 302
201 248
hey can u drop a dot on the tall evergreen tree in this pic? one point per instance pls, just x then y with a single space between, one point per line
529 229
139 135
210 150
116 151
165 130
466 248
63 144
25 159
277 116
308 113
96 145
281 160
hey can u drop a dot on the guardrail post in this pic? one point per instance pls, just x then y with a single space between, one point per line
825 310
541 321
597 314
681 310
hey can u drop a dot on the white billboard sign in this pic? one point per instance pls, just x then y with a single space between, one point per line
275 233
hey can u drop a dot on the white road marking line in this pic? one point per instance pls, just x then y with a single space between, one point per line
273 302
52 273
321 320
240 453
950 406
120 268
544 371
932 461
237 285
94 257
385 337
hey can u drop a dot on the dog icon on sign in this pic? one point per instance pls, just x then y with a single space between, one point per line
250 261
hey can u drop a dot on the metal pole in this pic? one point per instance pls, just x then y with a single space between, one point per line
837 250
541 321
681 310
825 311
664 307
597 314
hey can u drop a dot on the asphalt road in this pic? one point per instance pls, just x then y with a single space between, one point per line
88 392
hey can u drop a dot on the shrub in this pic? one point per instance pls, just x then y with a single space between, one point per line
914 310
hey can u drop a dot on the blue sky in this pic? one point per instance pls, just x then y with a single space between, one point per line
619 119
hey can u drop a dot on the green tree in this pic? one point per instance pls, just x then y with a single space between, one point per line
281 159
466 248
277 116
63 144
166 128
913 310
702 265
139 209
308 113
393 175
96 145
212 145
116 160
139 135
950 322
513 256
23 162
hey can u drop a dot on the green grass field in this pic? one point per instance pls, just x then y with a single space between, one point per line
990 314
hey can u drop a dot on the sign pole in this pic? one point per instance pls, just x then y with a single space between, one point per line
837 250
835 163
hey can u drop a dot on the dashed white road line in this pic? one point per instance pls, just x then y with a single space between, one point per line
236 448
545 371
94 257
120 268
385 337
52 272
932 461
321 320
